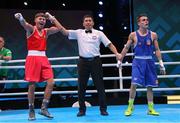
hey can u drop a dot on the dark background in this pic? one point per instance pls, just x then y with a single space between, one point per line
118 14
114 20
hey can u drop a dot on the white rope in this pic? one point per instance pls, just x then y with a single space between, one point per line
64 58
76 57
90 91
72 65
131 54
171 51
104 78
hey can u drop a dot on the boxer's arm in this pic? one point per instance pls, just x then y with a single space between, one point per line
57 27
28 27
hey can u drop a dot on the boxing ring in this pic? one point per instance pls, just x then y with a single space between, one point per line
167 112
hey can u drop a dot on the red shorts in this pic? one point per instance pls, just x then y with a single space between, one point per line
37 69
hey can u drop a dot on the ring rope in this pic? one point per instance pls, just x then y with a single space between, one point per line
74 65
77 57
104 78
90 91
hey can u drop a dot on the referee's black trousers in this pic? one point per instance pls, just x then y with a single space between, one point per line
93 67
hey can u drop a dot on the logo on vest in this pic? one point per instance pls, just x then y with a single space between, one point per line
139 43
135 79
148 42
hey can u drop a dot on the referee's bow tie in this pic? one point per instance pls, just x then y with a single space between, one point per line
88 31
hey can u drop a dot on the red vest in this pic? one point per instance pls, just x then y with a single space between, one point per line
36 41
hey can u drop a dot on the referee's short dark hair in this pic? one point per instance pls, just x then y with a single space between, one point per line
88 16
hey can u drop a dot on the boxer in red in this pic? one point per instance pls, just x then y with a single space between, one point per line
37 66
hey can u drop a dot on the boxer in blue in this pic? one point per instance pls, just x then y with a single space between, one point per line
145 42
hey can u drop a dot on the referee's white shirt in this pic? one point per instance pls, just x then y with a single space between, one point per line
89 43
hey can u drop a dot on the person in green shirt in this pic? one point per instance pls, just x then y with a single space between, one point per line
5 54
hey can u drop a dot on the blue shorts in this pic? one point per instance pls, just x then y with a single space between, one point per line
144 73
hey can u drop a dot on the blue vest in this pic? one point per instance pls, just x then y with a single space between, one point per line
144 46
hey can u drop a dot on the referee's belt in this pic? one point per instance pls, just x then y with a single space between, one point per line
89 58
